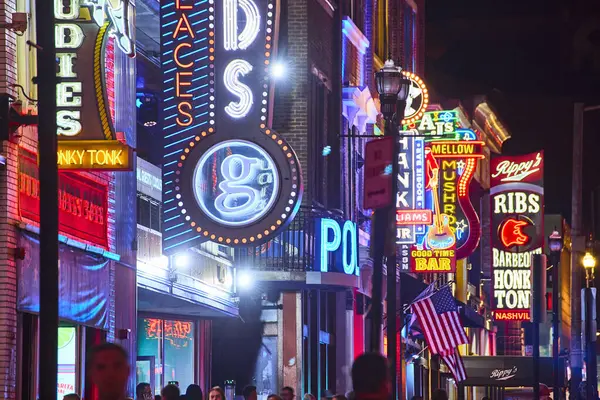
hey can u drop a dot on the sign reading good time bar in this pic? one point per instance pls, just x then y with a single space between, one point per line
227 176
83 113
517 208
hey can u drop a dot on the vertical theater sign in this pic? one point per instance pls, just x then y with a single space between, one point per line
86 35
517 208
227 176
443 226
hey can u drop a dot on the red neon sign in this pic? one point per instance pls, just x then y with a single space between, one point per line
82 202
414 217
511 233
510 315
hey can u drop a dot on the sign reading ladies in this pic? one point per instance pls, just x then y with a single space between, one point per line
227 176
517 207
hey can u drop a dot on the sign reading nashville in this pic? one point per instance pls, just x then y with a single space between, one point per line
517 204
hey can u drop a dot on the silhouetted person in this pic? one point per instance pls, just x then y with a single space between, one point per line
370 377
309 396
439 394
143 391
287 393
193 392
71 396
109 370
249 393
273 396
170 392
158 397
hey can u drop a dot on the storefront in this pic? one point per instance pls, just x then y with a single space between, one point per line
506 377
85 314
178 297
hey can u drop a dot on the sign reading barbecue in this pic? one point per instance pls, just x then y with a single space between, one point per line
517 208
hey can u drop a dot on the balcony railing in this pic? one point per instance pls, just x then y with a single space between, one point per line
291 250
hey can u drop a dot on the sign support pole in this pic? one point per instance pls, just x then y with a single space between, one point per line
578 246
48 175
391 129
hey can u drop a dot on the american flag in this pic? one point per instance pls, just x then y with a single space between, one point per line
438 317
455 364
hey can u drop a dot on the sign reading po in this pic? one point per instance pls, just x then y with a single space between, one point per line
227 176
336 246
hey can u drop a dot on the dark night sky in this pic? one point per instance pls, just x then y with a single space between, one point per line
520 55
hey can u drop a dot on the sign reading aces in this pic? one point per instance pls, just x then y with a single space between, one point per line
227 176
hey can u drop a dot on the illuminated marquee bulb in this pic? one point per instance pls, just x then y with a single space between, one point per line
233 71
230 37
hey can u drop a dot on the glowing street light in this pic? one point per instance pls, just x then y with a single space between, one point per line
589 263
278 70
181 260
244 280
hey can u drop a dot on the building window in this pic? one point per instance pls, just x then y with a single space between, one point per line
148 212
381 31
324 147
410 38
165 352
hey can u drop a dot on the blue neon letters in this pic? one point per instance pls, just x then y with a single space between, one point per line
336 246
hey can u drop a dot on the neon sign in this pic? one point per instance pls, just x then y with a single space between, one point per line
336 245
455 226
246 183
81 34
435 123
409 160
417 100
515 171
227 177
517 231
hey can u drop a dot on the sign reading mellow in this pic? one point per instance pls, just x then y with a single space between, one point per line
85 128
227 176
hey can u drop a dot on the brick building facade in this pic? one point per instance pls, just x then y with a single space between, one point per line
19 256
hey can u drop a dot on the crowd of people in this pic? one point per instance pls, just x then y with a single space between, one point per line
109 371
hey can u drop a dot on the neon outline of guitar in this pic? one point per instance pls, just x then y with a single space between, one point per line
439 235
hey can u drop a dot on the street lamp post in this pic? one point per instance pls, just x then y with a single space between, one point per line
555 243
589 263
392 87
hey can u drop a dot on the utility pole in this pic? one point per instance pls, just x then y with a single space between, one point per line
48 177
577 249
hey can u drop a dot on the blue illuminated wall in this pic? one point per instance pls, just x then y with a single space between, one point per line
185 115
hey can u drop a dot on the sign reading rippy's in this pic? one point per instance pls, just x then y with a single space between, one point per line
83 114
517 208
227 176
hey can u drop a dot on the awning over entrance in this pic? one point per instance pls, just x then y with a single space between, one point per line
158 294
507 371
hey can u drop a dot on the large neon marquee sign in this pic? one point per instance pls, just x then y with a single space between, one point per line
517 202
82 30
445 224
227 177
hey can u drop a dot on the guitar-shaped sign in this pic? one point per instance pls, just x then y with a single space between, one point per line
439 235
